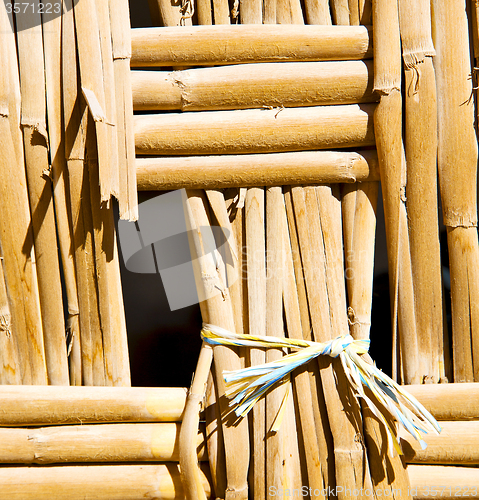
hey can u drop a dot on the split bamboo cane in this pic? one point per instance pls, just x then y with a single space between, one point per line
111 443
214 172
254 86
33 122
45 405
105 482
16 233
458 444
218 311
421 151
121 43
255 130
457 162
52 38
213 45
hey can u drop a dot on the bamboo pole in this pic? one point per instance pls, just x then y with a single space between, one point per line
92 85
340 12
421 151
256 289
121 43
156 442
457 163
318 13
251 11
354 14
255 130
458 444
9 364
215 172
214 45
446 481
52 42
105 482
45 405
217 310
254 86
365 12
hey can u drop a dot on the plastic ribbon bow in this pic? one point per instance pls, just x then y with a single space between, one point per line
245 387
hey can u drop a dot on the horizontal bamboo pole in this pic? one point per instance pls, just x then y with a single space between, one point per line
213 45
449 401
45 405
156 442
254 86
211 172
255 130
458 443
99 482
444 482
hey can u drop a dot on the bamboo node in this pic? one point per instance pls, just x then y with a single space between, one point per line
6 324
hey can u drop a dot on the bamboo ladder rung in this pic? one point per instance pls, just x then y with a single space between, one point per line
232 44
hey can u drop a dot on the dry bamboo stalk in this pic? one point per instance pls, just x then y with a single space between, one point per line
289 12
92 85
458 444
214 172
354 16
218 311
104 482
52 35
156 442
213 45
109 86
365 12
359 203
121 42
421 151
340 12
188 438
254 86
33 122
317 12
255 130
9 364
17 238
347 451
457 163
107 277
170 13
45 405
315 451
448 482
256 287
251 11
204 12
221 12
448 401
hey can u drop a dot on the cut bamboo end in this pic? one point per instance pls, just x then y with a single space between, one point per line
102 482
48 405
254 86
213 45
457 444
212 172
255 130
446 482
156 442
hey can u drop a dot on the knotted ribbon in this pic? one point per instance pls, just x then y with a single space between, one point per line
245 387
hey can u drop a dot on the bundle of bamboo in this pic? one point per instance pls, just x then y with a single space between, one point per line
59 169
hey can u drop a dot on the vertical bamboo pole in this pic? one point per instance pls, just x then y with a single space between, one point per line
365 12
251 11
317 12
340 12
354 15
256 279
218 311
121 43
421 150
457 162
52 33
33 121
